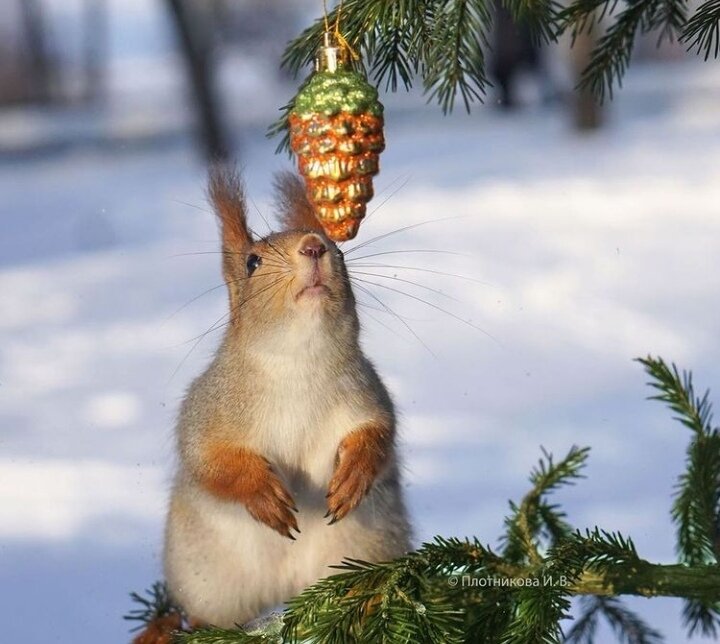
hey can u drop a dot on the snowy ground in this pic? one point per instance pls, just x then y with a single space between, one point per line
591 251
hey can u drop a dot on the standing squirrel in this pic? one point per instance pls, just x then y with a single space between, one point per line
288 460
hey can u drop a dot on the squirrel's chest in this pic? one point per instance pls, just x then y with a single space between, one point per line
291 412
301 423
291 408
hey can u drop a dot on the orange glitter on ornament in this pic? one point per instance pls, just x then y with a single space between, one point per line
338 155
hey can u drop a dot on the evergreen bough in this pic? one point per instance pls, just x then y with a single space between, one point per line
453 591
443 43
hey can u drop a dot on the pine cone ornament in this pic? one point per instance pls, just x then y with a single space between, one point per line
336 131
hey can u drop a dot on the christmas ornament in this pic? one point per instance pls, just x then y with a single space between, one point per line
336 131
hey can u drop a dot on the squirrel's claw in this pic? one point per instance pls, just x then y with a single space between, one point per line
274 506
360 458
349 485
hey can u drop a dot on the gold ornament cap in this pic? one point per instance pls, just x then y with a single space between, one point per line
332 55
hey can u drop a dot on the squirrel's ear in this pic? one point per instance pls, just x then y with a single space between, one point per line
227 196
296 212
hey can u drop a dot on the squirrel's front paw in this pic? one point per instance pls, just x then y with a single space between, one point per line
360 458
272 504
243 476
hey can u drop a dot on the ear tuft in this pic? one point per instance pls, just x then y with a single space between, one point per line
227 196
296 211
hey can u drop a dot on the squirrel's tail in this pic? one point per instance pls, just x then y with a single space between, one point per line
160 630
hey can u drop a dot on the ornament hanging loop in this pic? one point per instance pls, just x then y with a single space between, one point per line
335 52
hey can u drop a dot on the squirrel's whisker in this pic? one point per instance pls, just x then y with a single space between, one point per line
279 252
221 252
412 250
394 314
400 230
259 212
264 289
365 305
380 322
434 306
424 270
210 290
392 183
217 326
404 281
385 308
390 196
191 205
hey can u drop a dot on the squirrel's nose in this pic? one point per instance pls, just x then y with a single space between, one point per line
313 246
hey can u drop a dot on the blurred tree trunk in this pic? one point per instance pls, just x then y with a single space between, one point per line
39 81
196 43
513 50
587 111
95 47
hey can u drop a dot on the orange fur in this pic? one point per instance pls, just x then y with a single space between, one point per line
195 624
296 211
227 195
361 456
160 630
238 474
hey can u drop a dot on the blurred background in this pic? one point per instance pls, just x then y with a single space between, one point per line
559 240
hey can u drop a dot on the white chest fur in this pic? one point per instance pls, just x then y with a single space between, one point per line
302 413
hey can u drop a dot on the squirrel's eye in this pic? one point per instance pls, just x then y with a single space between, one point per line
253 261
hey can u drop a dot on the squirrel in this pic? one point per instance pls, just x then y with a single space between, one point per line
287 442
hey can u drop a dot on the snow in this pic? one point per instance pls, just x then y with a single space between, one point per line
583 252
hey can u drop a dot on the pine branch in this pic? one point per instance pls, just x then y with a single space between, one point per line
440 40
702 31
397 47
455 61
611 57
538 613
389 35
582 16
601 550
678 393
534 516
154 604
487 614
282 125
696 509
265 631
541 606
389 601
585 626
702 616
443 42
628 626
553 527
224 636
541 16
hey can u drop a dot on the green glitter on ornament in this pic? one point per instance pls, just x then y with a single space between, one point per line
340 91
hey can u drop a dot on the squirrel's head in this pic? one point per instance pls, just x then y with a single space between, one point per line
295 277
